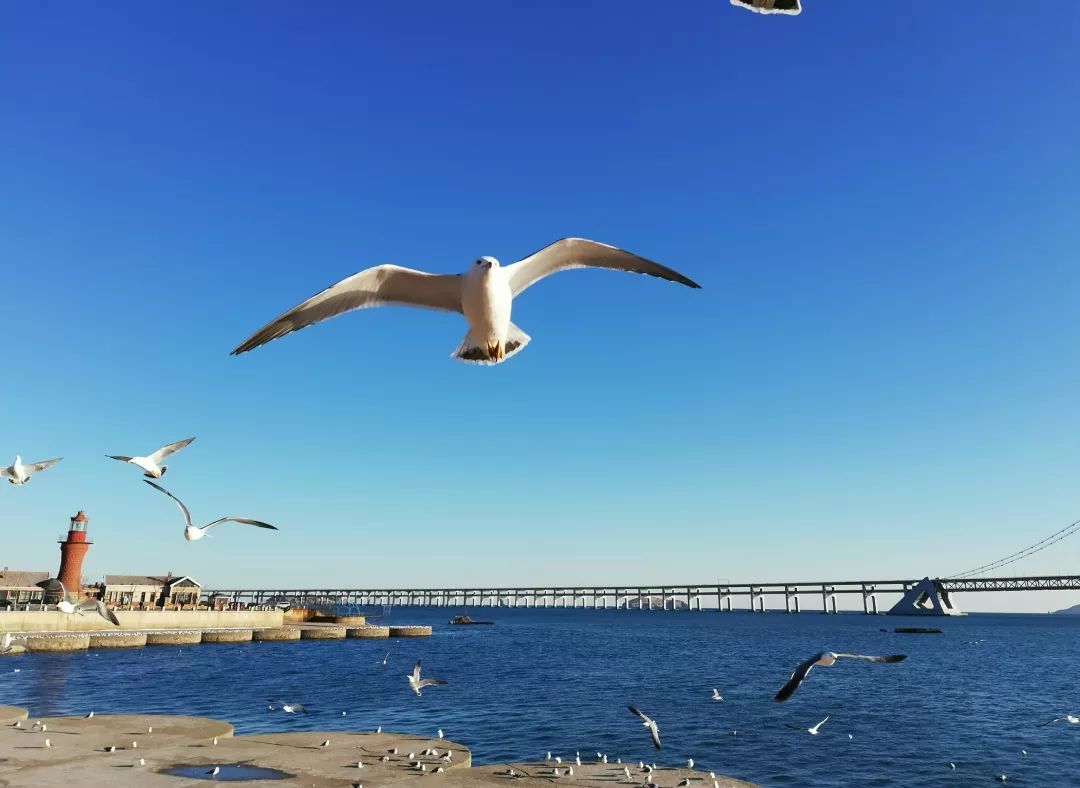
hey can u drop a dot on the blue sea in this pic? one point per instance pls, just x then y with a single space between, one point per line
561 680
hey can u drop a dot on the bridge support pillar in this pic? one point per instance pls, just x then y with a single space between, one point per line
828 599
925 598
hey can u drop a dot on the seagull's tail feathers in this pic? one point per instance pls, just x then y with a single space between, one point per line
473 350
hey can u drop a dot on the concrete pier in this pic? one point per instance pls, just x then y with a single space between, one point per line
173 638
117 640
370 632
58 642
409 632
227 636
322 633
276 634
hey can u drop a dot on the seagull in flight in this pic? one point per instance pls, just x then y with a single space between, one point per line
813 731
19 473
289 708
650 723
416 683
151 464
483 295
716 694
790 7
8 643
1071 719
193 533
92 605
825 659
383 661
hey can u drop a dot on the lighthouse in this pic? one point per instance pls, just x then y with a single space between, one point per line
72 551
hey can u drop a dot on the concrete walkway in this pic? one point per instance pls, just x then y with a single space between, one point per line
78 756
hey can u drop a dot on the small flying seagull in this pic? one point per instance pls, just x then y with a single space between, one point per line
215 771
416 683
813 731
650 723
716 694
9 642
65 605
1068 718
18 473
293 708
790 7
825 659
383 661
483 294
193 533
151 464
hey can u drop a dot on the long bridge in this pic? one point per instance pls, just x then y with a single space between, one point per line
927 595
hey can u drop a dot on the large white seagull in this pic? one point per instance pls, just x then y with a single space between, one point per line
483 294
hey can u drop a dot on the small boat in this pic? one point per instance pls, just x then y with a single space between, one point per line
465 620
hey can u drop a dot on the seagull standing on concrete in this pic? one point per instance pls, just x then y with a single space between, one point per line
825 659
813 731
18 473
151 464
416 683
790 7
650 723
193 533
483 294
65 605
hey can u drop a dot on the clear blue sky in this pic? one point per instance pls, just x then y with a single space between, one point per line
879 377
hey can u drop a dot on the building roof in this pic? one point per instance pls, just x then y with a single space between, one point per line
10 578
147 580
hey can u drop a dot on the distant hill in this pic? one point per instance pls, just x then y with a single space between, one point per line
1069 611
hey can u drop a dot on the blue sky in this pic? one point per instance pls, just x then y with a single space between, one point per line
879 377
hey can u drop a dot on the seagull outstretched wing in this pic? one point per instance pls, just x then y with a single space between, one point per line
40 466
650 723
242 520
382 285
886 658
168 451
797 678
570 253
183 509
98 607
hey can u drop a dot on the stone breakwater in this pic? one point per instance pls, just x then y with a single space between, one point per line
79 754
44 642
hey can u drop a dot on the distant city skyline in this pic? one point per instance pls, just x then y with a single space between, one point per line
878 378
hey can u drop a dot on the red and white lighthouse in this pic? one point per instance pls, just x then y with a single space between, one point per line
72 551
